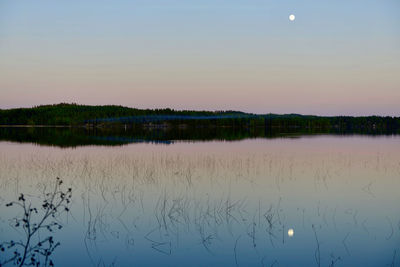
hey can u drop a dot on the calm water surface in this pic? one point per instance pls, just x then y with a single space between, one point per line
309 201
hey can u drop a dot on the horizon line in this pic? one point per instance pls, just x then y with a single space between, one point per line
197 110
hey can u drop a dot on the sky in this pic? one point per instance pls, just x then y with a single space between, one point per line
337 57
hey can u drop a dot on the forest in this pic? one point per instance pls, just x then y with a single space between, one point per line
75 115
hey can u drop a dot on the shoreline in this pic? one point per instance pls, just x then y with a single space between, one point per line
36 126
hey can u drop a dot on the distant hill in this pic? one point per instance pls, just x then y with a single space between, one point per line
80 115
73 114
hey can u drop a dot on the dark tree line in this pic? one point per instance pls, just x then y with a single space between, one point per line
78 115
73 114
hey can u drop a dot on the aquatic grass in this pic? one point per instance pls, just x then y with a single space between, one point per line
204 200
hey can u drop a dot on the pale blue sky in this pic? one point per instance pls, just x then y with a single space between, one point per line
337 57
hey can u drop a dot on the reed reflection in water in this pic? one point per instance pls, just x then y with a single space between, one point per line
320 201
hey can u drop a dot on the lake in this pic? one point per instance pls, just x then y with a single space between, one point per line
282 200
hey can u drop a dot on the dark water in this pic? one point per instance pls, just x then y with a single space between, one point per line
211 197
117 136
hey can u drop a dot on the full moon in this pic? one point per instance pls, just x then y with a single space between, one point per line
292 17
290 232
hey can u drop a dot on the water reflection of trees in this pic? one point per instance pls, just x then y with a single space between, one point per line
117 136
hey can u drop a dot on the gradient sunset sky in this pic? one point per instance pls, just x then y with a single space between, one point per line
338 57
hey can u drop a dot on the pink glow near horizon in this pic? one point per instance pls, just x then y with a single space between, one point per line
211 57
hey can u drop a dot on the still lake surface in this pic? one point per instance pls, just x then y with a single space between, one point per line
320 200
